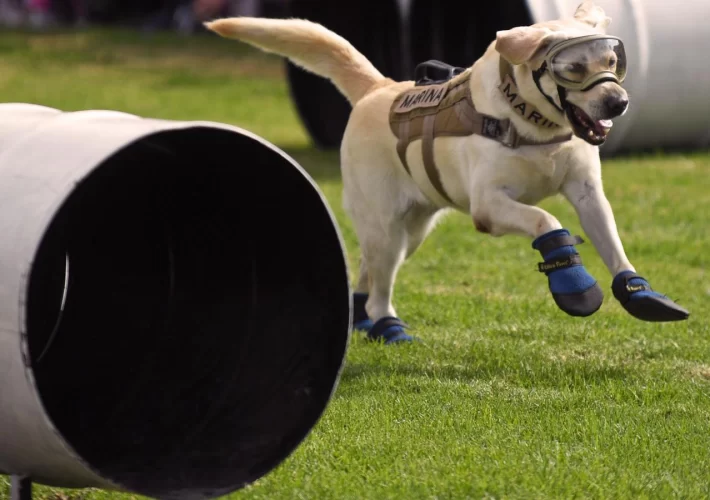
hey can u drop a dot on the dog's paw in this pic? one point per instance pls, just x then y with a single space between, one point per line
390 330
642 302
364 325
575 291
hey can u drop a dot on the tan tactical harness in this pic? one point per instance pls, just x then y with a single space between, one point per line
447 110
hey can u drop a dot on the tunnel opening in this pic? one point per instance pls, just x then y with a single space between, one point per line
188 313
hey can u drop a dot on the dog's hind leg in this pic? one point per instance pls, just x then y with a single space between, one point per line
419 221
378 195
361 321
383 253
384 248
575 291
363 279
386 254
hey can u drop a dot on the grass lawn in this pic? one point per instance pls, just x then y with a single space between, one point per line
508 397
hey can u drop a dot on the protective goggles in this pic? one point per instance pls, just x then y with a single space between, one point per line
582 62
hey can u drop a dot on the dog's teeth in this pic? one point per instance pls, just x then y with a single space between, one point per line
606 123
590 133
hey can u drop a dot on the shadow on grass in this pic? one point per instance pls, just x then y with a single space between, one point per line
527 372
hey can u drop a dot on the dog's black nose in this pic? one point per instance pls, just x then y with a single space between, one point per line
616 105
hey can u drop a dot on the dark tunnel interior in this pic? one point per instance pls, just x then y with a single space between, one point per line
459 33
188 313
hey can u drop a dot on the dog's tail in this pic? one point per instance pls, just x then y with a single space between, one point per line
308 45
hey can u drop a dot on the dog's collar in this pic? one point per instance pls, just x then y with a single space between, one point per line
525 110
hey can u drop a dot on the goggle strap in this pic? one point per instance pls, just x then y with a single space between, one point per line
600 80
562 92
537 74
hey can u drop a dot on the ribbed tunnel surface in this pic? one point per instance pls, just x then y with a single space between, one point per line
187 313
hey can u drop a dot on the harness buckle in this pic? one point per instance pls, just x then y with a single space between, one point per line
510 136
502 131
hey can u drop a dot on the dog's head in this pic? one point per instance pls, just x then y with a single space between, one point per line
568 72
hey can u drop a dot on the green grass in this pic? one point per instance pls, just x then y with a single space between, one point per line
508 397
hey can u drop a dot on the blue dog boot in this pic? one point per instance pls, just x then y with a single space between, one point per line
638 298
391 330
575 291
361 320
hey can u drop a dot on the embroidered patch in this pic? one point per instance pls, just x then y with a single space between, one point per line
521 106
427 97
490 127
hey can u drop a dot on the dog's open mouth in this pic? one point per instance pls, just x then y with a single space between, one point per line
594 132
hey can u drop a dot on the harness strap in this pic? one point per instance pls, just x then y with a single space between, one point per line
622 289
447 110
402 144
428 157
556 242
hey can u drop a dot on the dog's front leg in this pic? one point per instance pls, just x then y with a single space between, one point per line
586 193
597 218
575 291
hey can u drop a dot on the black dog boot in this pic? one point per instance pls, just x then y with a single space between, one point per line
575 291
391 330
638 298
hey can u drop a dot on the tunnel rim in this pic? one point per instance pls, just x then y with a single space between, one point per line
46 220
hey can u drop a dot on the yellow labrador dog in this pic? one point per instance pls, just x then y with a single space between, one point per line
522 124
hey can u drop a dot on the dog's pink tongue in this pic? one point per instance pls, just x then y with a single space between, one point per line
602 126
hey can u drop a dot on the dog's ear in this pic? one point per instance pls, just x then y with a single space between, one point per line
592 14
520 45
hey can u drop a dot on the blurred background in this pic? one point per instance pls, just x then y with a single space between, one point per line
667 82
182 16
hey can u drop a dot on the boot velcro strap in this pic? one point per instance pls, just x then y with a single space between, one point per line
383 324
555 242
622 289
561 263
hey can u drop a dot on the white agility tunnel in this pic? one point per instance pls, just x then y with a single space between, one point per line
174 303
667 46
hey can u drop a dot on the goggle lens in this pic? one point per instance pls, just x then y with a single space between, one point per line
578 63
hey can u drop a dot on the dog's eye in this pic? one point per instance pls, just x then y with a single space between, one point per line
612 62
576 68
